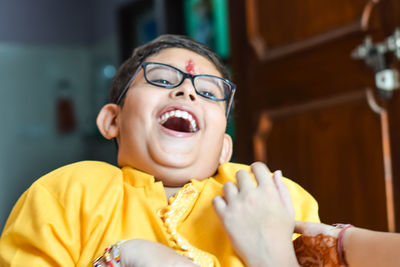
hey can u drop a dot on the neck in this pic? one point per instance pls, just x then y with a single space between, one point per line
171 191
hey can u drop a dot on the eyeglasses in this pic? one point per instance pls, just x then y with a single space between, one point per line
166 76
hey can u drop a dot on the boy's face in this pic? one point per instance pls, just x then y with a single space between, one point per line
176 148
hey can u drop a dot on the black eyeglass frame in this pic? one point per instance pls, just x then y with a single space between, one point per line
185 75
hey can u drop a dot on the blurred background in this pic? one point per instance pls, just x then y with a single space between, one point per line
57 61
315 98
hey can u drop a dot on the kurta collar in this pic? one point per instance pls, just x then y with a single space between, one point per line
137 178
226 173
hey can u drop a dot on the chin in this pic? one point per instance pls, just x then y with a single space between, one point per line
180 174
173 159
174 182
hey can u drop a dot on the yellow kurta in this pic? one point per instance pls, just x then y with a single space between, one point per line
70 215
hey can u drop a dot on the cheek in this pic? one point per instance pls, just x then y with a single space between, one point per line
131 117
142 103
217 124
133 122
216 108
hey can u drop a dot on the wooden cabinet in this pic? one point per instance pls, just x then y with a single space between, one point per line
303 104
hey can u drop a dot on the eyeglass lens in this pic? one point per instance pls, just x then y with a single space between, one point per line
207 86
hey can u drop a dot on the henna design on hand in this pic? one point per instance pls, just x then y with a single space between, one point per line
319 250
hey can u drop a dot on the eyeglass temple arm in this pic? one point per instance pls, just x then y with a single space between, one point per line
127 86
228 110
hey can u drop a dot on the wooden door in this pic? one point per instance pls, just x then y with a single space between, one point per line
304 106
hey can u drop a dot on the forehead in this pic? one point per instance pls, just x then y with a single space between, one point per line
181 57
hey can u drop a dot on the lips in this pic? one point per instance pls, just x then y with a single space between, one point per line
179 120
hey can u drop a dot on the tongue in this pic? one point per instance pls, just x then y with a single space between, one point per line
178 124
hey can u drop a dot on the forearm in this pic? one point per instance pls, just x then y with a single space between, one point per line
285 255
267 253
370 248
280 254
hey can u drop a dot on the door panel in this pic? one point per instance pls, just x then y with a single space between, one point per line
321 145
316 124
288 21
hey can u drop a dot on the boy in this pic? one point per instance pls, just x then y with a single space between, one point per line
168 115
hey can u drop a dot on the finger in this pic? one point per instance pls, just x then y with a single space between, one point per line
219 205
284 193
183 261
262 174
230 192
244 180
313 229
299 227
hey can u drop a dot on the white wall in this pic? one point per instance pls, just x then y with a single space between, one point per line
30 143
47 21
41 42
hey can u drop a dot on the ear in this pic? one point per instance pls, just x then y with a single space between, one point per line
226 152
107 121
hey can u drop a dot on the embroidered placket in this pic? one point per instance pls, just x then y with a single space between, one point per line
172 214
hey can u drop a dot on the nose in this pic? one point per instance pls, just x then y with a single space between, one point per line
185 90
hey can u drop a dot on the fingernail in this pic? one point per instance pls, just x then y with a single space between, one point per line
278 173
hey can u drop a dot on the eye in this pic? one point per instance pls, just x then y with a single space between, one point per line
207 94
209 87
161 81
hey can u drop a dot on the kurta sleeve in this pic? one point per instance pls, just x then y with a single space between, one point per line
61 219
305 206
38 233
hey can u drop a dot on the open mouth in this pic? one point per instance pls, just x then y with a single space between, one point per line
179 121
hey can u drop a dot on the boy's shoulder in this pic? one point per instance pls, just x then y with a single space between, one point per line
83 175
304 203
227 173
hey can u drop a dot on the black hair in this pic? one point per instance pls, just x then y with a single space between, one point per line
139 55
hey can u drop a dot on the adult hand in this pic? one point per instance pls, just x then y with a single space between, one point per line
317 246
144 253
257 222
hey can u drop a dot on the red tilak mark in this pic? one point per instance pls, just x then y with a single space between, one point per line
190 66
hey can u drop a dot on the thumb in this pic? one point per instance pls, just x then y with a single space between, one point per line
299 227
313 229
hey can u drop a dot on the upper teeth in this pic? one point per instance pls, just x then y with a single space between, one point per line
179 114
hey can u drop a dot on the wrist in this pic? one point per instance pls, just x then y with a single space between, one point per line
343 235
285 255
277 254
110 257
346 240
